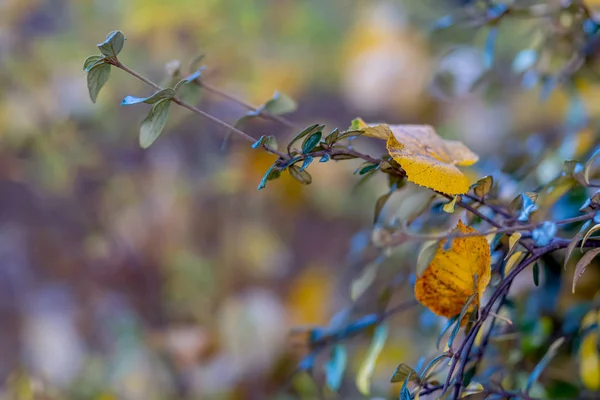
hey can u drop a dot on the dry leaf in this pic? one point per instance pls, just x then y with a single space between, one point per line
428 159
582 265
455 274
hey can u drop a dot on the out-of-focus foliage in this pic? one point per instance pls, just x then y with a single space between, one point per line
163 273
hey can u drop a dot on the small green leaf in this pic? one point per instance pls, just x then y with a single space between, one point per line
426 254
307 161
153 125
349 134
91 61
539 368
96 78
335 367
339 157
310 142
332 137
300 175
279 104
536 274
266 141
113 44
363 377
325 158
403 372
368 168
167 93
305 132
272 173
483 186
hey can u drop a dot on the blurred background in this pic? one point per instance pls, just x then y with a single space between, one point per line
132 274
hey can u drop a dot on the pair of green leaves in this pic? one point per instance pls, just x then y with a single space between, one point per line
98 67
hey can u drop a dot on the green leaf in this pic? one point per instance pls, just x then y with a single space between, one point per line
368 168
167 93
113 44
307 161
363 378
349 134
153 125
483 186
96 78
272 173
266 141
310 142
539 368
307 131
335 367
536 274
279 104
339 157
403 372
300 175
332 137
91 61
325 158
582 265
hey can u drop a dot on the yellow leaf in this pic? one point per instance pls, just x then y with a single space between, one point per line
378 131
449 207
455 274
589 358
512 241
512 261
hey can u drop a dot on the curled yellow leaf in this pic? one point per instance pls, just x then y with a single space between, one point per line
455 274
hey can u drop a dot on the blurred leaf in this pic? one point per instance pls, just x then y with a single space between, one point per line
368 168
424 375
310 142
167 93
536 274
325 158
544 233
525 60
335 367
592 203
539 368
362 283
404 392
589 355
92 61
267 141
490 44
403 372
113 44
574 241
483 186
449 207
195 62
589 233
300 175
582 265
279 104
363 377
339 157
426 254
588 166
380 204
153 125
332 137
96 78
